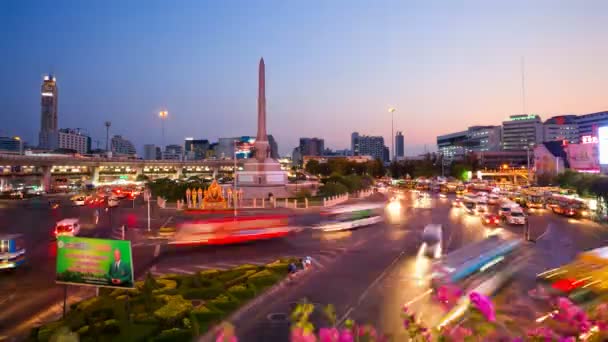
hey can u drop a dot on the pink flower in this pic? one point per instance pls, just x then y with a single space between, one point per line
459 333
300 335
346 336
328 335
484 305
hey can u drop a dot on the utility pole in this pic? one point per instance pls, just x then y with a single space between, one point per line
108 124
392 111
235 192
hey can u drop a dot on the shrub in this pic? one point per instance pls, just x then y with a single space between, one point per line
224 303
205 316
209 273
88 304
246 267
144 318
174 334
263 278
111 326
167 286
241 279
241 292
202 293
278 267
175 309
230 274
46 331
83 330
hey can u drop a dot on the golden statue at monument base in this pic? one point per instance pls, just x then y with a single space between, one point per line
213 198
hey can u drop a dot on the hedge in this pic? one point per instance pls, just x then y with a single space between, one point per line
224 303
175 308
174 334
263 278
202 293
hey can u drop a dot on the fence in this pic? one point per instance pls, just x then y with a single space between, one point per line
334 200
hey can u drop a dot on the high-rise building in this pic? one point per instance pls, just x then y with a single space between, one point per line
69 139
354 143
560 128
451 146
11 144
386 154
312 146
274 147
173 152
48 111
365 145
195 149
150 152
483 139
122 146
589 123
521 132
399 146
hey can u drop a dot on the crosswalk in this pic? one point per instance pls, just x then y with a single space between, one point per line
320 259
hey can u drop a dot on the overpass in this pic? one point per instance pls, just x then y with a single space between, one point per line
512 174
100 169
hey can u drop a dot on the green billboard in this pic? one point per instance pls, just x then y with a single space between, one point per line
94 262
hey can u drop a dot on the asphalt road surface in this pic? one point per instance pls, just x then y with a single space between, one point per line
367 273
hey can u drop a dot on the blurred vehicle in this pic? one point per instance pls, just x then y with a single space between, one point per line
69 227
516 216
505 208
432 240
94 200
493 198
457 202
12 251
481 209
470 206
231 230
490 220
54 204
78 200
113 201
443 196
458 267
119 193
582 280
353 216
535 201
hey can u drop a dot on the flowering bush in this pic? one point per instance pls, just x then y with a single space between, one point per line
567 323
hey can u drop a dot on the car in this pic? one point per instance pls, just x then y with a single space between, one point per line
432 237
79 200
490 220
517 216
113 201
67 227
505 209
120 193
457 203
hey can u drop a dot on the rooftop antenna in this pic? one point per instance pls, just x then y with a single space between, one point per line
523 85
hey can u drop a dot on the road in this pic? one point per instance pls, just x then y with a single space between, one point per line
368 273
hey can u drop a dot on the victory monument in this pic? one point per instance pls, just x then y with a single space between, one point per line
262 175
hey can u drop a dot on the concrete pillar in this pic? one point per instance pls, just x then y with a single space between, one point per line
179 172
46 178
306 202
295 203
263 202
95 175
255 202
274 202
324 202
139 171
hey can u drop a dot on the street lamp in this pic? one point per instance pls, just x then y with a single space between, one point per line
163 116
235 194
392 111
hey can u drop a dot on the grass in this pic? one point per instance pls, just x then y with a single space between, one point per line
169 308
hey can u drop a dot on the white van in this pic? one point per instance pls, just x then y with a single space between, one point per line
69 227
432 238
506 207
516 216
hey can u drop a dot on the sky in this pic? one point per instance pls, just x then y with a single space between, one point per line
332 67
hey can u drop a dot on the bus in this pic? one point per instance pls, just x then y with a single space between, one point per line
459 265
583 280
231 230
350 217
12 251
568 206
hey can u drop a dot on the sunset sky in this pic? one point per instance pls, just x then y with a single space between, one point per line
333 67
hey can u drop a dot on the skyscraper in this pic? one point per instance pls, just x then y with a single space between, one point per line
399 146
365 145
312 146
48 110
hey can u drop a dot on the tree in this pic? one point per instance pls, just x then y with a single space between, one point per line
313 167
324 170
142 178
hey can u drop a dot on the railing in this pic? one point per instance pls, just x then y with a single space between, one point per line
334 200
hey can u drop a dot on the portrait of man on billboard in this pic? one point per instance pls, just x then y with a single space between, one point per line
120 271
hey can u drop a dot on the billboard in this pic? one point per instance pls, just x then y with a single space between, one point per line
94 262
602 135
583 157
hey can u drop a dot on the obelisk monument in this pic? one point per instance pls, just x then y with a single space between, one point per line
262 175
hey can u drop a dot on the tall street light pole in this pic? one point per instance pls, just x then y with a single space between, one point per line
163 116
392 111
235 192
108 124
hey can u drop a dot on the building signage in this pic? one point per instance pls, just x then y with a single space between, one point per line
589 139
583 157
523 117
94 262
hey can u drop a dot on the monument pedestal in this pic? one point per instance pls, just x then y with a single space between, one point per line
261 178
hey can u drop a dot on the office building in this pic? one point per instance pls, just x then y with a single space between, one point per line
589 123
150 152
483 139
11 145
173 152
122 146
451 146
312 146
195 149
274 147
48 112
521 132
386 154
69 139
365 145
399 146
561 128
